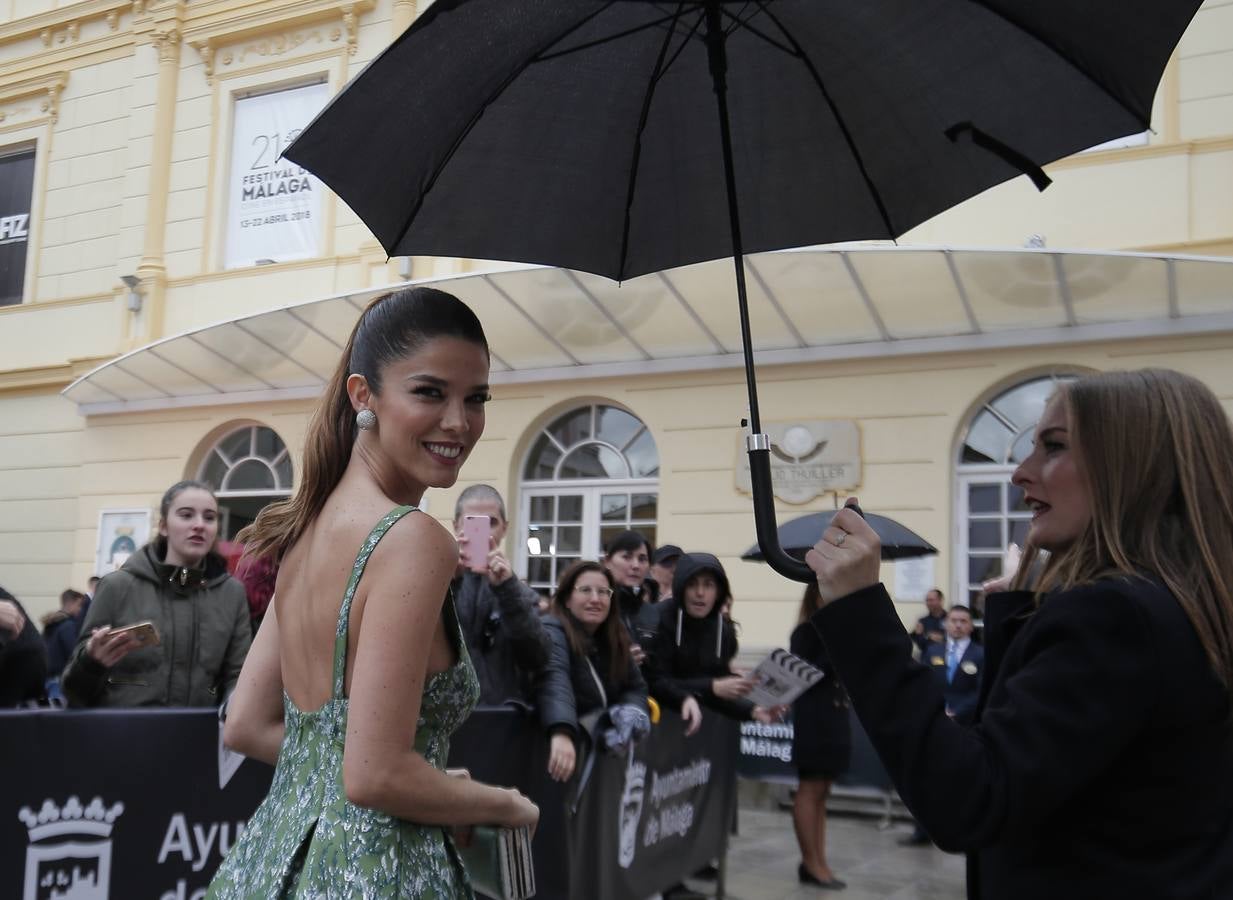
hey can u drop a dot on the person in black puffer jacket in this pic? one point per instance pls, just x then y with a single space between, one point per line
695 643
627 557
589 667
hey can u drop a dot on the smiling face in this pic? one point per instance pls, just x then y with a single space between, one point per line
629 567
1053 484
701 592
190 527
430 414
590 600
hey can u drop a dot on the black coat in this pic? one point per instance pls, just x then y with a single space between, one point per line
687 655
821 728
505 639
23 662
1101 763
567 691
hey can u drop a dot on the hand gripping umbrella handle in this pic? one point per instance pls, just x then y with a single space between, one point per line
764 513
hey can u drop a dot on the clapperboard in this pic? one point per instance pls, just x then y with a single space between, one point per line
781 678
499 862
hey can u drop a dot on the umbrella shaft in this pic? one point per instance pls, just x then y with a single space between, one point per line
718 57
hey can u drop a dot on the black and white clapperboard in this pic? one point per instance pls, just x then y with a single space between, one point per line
781 678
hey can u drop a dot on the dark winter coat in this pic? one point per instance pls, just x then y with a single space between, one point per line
688 654
567 689
60 637
638 611
504 636
1101 761
203 622
23 662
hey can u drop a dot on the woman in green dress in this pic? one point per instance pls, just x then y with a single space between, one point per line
358 673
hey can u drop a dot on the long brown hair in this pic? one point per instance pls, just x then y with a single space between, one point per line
391 328
811 602
1156 449
613 629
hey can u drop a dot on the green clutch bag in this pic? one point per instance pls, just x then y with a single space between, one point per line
499 862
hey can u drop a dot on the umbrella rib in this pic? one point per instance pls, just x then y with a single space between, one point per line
471 123
799 52
636 155
598 42
1064 56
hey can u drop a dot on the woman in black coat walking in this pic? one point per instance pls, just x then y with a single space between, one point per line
1101 762
821 745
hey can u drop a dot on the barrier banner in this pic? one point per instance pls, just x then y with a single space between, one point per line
664 811
137 803
102 804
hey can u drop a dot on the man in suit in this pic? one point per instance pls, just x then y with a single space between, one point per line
930 629
960 663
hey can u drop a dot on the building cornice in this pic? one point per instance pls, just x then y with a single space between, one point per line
1149 151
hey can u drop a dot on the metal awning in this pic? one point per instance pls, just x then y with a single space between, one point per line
807 305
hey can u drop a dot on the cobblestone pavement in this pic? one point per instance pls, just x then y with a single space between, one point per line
762 862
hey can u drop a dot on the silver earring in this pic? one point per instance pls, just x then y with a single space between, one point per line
366 420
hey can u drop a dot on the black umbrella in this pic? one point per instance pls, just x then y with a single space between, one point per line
596 134
799 535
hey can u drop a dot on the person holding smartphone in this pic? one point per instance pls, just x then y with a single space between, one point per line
194 626
497 610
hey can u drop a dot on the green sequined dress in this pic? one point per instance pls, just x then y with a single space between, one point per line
306 839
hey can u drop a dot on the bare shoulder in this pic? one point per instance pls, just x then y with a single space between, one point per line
417 543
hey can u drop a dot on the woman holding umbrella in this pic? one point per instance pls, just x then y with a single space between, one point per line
1107 715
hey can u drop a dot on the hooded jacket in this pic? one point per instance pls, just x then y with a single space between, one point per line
688 654
204 628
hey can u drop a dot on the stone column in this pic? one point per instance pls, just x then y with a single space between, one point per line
151 270
404 15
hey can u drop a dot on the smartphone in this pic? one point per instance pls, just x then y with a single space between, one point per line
144 632
478 532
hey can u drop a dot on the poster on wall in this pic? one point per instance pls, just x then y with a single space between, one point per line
273 205
120 533
16 187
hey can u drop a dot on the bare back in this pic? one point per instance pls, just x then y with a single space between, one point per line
309 592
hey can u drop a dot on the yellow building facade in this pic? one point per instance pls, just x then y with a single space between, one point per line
134 118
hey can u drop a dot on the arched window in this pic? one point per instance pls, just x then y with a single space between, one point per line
590 474
248 468
990 509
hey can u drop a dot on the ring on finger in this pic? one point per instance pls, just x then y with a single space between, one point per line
843 536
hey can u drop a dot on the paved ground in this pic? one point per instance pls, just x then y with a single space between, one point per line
762 862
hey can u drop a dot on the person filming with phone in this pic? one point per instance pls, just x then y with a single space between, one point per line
171 626
497 610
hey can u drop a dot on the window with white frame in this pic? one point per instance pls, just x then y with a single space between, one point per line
592 473
991 511
248 468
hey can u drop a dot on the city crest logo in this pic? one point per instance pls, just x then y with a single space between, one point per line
69 856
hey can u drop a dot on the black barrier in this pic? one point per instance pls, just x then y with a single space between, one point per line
158 802
766 755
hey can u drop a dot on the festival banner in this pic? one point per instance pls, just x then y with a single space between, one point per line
655 816
273 206
16 186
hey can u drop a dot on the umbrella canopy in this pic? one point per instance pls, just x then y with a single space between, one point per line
585 133
622 137
799 535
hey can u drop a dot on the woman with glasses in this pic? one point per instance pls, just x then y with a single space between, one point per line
590 668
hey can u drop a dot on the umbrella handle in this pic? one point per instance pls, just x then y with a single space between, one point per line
764 514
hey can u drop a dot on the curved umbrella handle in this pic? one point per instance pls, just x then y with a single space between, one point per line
764 514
